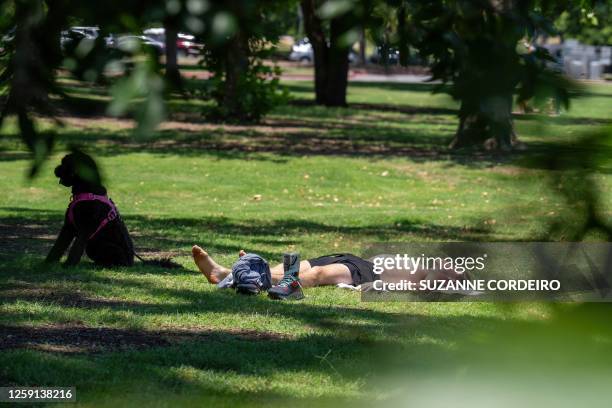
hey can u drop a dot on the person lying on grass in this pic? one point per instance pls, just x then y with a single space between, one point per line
325 270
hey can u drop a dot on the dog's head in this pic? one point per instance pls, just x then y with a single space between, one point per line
78 169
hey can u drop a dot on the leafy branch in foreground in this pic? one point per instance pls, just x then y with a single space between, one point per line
31 57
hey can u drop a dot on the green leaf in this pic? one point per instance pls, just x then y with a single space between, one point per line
335 8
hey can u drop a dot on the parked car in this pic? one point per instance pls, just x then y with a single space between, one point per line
186 44
71 37
157 34
302 51
130 43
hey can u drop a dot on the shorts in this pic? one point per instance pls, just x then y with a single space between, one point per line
362 271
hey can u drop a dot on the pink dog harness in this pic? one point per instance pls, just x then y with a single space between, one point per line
112 214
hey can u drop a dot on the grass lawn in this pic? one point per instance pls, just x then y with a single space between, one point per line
312 180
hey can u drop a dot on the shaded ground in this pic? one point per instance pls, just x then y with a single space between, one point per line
31 293
82 339
19 235
368 137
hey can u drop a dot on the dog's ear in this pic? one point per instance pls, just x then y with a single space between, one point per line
85 169
65 171
78 168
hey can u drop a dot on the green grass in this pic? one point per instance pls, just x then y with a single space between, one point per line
330 180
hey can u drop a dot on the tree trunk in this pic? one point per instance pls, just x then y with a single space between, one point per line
321 68
330 61
486 123
362 46
402 28
173 75
337 79
236 65
314 30
338 64
487 85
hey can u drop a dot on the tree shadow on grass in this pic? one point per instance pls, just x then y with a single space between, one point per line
221 364
233 359
35 230
290 133
249 144
347 344
52 288
9 155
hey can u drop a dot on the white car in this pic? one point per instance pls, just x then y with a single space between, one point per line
302 51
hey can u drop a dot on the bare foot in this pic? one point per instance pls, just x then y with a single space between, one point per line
213 271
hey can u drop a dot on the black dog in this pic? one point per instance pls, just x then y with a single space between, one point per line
92 220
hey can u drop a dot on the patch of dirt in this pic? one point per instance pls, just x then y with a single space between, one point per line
79 339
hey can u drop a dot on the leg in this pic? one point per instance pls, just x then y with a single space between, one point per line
326 275
278 271
76 252
213 272
316 275
61 244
